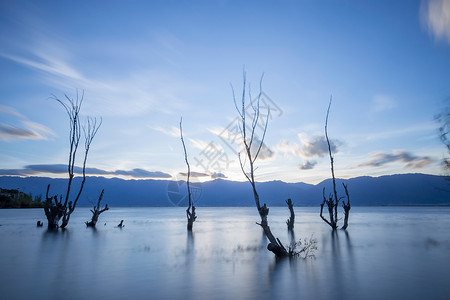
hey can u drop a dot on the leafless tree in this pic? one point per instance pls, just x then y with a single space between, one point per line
96 211
55 210
190 211
444 121
252 148
333 201
291 220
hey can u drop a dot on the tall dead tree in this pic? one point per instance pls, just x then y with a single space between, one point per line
190 211
291 220
56 210
96 211
252 148
332 201
444 127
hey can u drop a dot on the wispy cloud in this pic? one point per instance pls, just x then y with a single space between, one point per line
62 169
435 15
129 93
409 160
10 111
48 63
195 174
170 131
382 103
22 127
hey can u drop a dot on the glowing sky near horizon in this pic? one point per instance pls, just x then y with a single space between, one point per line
144 64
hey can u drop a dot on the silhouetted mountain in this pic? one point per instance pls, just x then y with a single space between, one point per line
404 189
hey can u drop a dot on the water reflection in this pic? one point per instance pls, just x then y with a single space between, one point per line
225 257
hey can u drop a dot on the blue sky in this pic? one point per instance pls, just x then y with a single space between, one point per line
144 64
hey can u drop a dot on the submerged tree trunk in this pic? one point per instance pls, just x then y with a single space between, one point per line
54 210
291 220
96 211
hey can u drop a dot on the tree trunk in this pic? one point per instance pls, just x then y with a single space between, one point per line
290 221
96 211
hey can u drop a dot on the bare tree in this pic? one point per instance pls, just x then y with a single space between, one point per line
190 211
333 201
252 148
291 220
444 120
55 210
96 211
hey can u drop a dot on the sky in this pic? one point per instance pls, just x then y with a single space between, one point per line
145 64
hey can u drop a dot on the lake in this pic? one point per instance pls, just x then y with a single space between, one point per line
386 253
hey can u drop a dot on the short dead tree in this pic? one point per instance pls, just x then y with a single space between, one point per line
190 211
96 211
291 220
55 209
332 201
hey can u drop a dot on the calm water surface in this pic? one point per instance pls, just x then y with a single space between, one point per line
387 253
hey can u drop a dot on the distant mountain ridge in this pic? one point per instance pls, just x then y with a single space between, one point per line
402 189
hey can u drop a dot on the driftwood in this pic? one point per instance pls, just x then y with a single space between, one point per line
190 211
96 211
332 201
120 224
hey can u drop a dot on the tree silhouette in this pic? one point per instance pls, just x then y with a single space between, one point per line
96 211
56 209
252 149
444 120
333 201
190 211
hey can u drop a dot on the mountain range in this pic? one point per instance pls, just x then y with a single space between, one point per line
391 190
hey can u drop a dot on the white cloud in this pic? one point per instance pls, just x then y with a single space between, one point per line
436 16
382 103
170 131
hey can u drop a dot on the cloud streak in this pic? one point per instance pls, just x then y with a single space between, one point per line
26 130
62 169
435 16
410 160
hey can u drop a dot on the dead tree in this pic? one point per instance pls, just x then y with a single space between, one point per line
96 211
332 201
57 210
444 127
190 211
291 220
346 208
252 148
